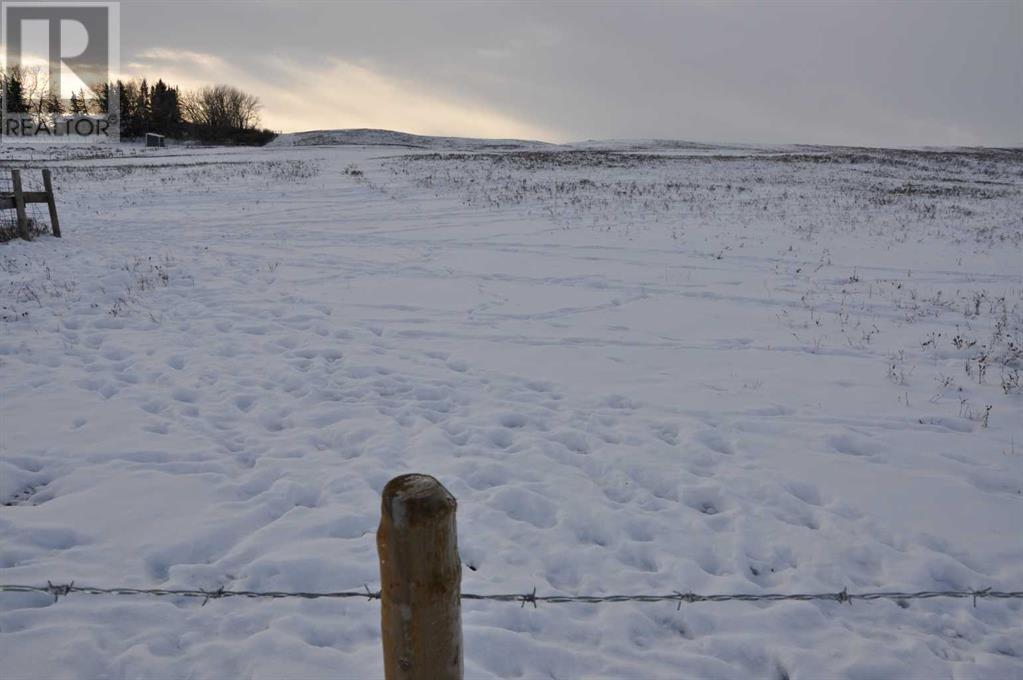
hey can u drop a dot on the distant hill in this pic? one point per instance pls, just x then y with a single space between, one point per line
368 137
371 137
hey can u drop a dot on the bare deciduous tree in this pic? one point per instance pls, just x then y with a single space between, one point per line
221 108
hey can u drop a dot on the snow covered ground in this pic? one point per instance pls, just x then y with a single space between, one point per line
667 368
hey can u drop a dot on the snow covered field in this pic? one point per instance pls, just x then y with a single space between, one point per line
664 368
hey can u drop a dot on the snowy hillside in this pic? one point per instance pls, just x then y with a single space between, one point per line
366 137
711 370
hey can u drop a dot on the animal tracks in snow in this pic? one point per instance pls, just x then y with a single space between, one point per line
698 403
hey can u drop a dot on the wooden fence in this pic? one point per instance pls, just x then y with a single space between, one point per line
16 199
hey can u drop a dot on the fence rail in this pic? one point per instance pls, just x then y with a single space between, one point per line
61 590
17 199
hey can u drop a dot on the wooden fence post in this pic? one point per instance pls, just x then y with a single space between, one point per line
19 205
420 581
51 202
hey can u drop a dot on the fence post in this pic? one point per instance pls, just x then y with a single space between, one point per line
51 202
19 205
420 581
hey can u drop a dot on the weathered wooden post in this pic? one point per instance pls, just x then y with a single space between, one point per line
19 205
420 581
51 202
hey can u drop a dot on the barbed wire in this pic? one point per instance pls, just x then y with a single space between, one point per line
679 597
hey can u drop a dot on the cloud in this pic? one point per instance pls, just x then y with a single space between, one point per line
338 94
860 72
167 55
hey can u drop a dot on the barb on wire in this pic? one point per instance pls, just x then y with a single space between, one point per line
679 597
214 594
57 590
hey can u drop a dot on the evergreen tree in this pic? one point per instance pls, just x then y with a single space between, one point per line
14 92
165 109
132 113
143 108
125 105
100 103
78 104
52 104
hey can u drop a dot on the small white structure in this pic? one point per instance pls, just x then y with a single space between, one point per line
153 139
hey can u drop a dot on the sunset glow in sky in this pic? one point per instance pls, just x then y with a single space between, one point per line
921 73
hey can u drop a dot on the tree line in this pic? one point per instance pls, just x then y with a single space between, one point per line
219 114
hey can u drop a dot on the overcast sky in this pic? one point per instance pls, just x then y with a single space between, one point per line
865 73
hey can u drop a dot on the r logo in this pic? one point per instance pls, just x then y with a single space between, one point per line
61 48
